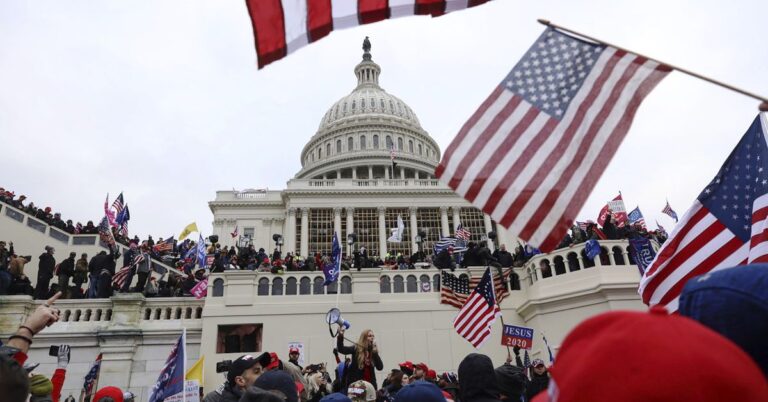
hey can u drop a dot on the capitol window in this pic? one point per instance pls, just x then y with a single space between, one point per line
350 144
362 104
410 146
353 105
375 142
419 149
319 152
241 338
338 146
389 142
362 142
382 105
328 149
400 143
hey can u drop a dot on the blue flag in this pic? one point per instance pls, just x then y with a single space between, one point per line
201 252
592 248
530 251
551 356
332 270
171 379
123 216
642 252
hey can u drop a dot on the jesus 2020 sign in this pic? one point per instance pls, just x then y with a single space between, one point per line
521 337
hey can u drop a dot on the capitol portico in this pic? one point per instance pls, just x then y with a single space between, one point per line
369 162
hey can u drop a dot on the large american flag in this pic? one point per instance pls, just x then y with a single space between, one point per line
455 290
479 312
120 276
532 153
462 233
280 27
726 226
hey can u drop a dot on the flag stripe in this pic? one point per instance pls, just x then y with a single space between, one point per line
319 19
596 159
268 30
370 11
434 8
344 13
295 20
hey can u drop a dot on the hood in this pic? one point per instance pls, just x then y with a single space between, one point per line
477 379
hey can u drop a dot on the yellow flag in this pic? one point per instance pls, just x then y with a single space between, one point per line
192 227
196 372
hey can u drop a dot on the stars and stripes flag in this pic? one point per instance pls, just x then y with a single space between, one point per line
661 229
479 312
119 278
726 226
105 232
164 246
558 118
527 364
455 290
235 233
636 217
669 211
280 27
449 243
118 204
462 233
122 220
90 385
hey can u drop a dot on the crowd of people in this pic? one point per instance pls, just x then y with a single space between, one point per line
705 352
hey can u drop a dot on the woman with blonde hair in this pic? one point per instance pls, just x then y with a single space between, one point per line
317 386
365 358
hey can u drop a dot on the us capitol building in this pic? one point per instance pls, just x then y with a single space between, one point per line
346 185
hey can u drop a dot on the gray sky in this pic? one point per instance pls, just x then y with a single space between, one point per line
162 99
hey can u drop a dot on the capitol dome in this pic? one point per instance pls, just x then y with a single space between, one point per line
359 133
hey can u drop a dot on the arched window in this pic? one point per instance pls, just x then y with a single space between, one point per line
263 289
319 153
419 149
338 146
218 287
305 286
411 284
362 104
318 286
344 108
350 144
399 285
385 286
618 256
588 262
410 146
277 287
436 283
389 142
328 149
290 286
573 262
346 285
353 105
391 106
400 143
362 142
382 104
375 142
559 265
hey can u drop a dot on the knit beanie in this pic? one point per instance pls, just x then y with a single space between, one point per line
40 385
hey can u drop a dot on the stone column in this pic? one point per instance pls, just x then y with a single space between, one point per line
354 172
290 233
304 232
350 226
456 218
402 173
382 232
445 230
337 223
370 172
414 230
488 229
338 174
268 227
386 171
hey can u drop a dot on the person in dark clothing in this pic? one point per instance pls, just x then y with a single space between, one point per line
539 379
443 260
81 271
365 358
45 272
93 272
66 271
485 256
609 228
511 381
477 379
128 258
471 256
503 256
449 383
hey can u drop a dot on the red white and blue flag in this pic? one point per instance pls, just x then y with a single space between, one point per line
532 153
669 211
726 226
280 27
479 312
91 380
118 204
235 233
462 233
635 217
171 379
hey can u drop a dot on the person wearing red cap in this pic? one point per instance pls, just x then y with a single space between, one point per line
651 356
104 395
293 356
419 372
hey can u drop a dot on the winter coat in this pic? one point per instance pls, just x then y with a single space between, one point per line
504 258
67 267
224 394
145 264
536 384
81 270
477 379
46 266
354 372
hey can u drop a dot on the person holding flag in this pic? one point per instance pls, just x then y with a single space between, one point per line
171 379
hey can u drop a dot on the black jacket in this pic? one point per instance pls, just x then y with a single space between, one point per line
504 258
354 372
536 384
46 266
67 267
477 379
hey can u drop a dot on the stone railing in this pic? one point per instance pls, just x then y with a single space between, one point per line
351 184
614 253
410 281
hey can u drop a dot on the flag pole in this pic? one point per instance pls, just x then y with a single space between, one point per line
763 107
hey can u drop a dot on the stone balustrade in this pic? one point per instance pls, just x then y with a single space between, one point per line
299 184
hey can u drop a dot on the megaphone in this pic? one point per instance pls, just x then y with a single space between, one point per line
333 316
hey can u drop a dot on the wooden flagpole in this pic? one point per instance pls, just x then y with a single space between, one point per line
763 107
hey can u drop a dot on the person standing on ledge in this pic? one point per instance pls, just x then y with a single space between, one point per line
365 358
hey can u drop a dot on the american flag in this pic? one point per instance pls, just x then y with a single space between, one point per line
582 225
669 211
661 229
527 364
120 276
478 314
462 234
91 380
164 246
392 152
726 226
235 233
558 118
105 232
280 27
455 290
118 204
449 243
636 217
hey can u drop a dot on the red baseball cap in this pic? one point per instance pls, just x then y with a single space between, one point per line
275 362
651 356
293 350
431 374
421 366
406 367
112 392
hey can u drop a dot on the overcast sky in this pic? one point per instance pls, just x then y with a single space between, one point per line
162 99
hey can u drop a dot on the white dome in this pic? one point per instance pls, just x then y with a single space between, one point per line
369 100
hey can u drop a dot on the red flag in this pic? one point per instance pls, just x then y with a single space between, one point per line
280 27
532 153
617 209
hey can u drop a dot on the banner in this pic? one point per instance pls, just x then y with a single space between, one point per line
200 290
517 336
191 392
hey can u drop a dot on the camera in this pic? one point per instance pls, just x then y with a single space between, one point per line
54 351
223 366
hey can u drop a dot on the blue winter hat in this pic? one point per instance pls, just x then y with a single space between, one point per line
336 397
420 391
734 303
